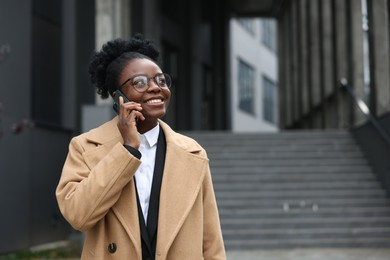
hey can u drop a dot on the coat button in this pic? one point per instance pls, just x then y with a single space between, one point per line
112 248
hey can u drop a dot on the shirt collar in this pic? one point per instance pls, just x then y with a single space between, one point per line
151 136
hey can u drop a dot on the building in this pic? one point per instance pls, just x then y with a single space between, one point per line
322 46
322 42
253 77
44 46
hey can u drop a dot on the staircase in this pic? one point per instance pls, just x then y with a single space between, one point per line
296 189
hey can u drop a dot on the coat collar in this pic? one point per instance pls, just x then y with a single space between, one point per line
109 132
105 133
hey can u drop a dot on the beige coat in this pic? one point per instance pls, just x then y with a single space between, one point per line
96 194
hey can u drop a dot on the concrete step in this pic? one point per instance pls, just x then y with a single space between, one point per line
291 135
314 233
282 193
280 162
296 185
269 154
312 221
310 211
296 189
329 242
312 169
279 203
223 177
306 208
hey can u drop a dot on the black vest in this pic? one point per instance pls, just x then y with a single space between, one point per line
149 230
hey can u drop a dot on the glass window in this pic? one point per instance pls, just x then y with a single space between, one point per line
246 82
269 36
269 94
247 24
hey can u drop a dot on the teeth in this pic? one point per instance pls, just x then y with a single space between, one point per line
154 101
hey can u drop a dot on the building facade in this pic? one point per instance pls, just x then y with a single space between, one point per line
44 46
322 42
253 77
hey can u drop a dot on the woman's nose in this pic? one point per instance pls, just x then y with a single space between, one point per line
153 86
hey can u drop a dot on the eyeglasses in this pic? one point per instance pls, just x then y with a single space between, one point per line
141 82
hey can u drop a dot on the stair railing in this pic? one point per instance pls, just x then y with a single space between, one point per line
365 110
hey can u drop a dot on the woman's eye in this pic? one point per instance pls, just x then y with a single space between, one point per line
139 82
161 81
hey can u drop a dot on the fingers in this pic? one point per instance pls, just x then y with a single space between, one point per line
130 111
138 115
126 108
121 107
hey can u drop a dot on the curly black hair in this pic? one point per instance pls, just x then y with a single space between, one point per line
107 64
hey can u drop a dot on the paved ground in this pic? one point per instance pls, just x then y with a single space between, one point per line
271 254
311 254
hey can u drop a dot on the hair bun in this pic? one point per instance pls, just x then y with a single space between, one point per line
111 51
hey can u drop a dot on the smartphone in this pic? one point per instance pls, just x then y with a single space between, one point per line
118 94
115 106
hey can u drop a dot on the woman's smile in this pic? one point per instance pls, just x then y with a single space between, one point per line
156 101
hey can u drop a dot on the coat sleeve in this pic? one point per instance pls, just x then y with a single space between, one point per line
213 246
86 194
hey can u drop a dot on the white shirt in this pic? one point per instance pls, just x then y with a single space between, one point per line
144 173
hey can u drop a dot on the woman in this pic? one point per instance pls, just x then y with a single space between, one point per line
137 188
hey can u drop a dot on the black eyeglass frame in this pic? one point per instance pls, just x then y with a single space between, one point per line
166 86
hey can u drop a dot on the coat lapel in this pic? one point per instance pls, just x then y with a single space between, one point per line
183 176
127 213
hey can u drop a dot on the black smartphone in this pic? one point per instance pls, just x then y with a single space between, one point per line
118 94
115 106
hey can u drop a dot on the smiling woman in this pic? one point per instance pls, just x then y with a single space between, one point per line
139 189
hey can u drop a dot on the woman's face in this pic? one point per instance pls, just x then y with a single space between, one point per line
154 100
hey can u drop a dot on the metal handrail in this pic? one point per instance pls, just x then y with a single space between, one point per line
365 109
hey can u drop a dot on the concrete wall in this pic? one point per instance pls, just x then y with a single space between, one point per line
44 48
322 42
376 146
378 12
15 161
27 174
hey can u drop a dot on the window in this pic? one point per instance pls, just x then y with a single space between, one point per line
269 34
247 24
246 87
269 94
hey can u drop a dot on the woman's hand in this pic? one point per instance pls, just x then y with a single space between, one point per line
129 113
